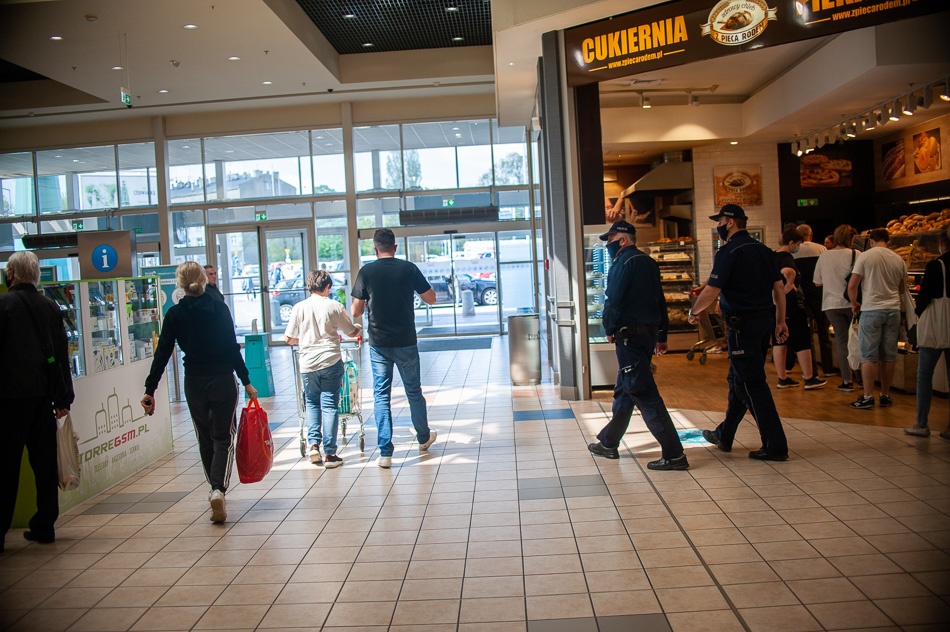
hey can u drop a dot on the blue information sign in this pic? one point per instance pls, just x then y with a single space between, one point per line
104 258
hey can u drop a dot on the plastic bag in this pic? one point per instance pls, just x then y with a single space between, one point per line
255 446
348 388
854 346
67 454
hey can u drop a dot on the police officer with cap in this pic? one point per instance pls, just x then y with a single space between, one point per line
635 319
747 281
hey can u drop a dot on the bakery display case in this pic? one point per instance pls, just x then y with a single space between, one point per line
67 297
679 272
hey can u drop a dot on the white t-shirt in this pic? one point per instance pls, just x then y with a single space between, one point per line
832 267
882 270
809 249
317 322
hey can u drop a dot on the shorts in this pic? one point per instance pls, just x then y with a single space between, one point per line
799 332
878 331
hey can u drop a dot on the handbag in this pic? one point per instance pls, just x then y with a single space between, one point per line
847 279
255 446
854 345
52 368
67 454
933 326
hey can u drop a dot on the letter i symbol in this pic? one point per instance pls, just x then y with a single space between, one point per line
105 258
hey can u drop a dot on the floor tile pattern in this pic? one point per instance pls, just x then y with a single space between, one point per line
508 524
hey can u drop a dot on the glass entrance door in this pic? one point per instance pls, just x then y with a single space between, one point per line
462 271
261 272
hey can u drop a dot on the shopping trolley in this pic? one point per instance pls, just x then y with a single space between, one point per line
712 330
350 400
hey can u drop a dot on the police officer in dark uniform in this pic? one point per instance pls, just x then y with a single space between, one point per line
745 274
635 319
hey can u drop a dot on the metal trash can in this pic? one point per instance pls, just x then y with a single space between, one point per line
524 349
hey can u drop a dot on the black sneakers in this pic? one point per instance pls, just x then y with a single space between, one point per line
679 463
884 401
598 449
331 461
787 382
814 382
863 402
846 387
713 438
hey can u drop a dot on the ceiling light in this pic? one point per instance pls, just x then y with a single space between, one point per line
451 9
927 100
56 38
234 58
455 129
870 122
694 100
349 16
910 104
511 63
190 27
645 102
457 39
267 83
319 137
229 151
896 111
75 160
163 91
368 45
118 68
945 91
186 146
852 130
58 156
733 142
797 148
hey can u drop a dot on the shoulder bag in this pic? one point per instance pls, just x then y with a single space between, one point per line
933 326
847 279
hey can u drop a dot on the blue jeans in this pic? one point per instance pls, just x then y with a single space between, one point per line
927 362
321 390
406 360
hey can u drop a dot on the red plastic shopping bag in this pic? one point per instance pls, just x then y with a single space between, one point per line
255 446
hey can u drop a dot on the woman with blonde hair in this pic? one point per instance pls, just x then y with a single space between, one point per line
832 269
203 329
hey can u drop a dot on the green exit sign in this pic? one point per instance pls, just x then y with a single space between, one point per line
448 202
808 202
138 230
126 97
260 217
77 224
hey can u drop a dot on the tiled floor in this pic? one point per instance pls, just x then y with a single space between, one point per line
509 524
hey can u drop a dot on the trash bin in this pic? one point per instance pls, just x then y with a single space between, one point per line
524 349
468 303
257 359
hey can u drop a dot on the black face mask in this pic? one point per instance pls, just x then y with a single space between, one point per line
723 232
613 248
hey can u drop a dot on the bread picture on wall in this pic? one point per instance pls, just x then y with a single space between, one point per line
893 160
821 170
927 151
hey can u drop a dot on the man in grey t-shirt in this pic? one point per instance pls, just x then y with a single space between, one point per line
882 276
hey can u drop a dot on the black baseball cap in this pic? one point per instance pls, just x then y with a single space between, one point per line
620 227
730 210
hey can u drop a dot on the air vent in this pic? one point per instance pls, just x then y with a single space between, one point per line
454 215
51 240
641 83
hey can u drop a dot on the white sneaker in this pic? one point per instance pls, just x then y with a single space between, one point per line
315 456
424 447
219 511
385 462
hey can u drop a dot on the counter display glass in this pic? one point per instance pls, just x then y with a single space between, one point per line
678 275
596 267
105 331
142 312
66 295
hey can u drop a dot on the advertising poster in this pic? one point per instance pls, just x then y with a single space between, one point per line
825 170
894 160
167 283
927 151
741 184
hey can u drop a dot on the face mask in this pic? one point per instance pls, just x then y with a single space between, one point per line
796 249
613 248
723 232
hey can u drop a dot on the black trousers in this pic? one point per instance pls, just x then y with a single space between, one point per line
748 388
636 387
29 422
813 307
212 402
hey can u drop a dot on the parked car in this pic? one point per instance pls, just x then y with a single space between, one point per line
484 291
283 297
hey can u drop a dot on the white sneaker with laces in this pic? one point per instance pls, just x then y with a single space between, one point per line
424 447
219 511
315 456
385 462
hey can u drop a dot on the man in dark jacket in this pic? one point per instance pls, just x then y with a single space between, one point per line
31 334
212 288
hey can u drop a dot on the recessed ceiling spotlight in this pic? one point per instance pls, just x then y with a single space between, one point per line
186 146
451 9
367 45
267 83
58 156
457 39
234 58
75 160
190 27
733 142
328 144
118 68
56 38
455 129
458 135
349 16
319 137
511 63
163 91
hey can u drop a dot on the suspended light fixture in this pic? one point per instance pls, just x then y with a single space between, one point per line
945 91
896 111
645 102
910 104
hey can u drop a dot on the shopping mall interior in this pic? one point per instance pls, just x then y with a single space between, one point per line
267 138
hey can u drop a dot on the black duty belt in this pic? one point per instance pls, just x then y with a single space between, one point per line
636 328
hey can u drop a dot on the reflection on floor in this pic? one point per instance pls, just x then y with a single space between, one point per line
508 524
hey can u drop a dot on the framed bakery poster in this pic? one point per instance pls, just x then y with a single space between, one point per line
741 184
825 170
927 151
893 160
